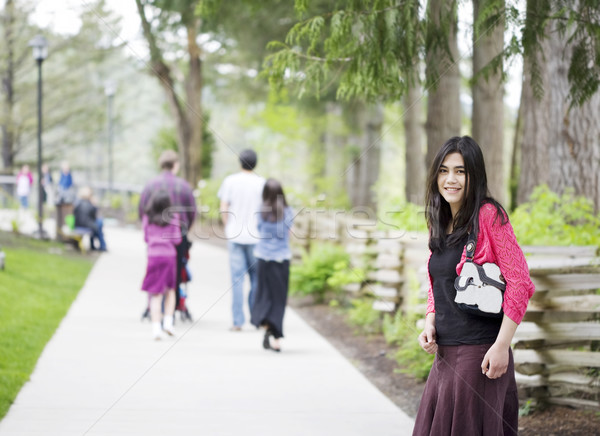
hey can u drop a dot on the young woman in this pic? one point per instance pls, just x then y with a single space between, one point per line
24 184
273 255
162 234
471 388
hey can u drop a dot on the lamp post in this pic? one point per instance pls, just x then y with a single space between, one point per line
109 90
39 44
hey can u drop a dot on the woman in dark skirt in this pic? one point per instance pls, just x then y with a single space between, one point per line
471 389
273 256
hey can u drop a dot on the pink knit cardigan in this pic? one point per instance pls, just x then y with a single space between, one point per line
497 243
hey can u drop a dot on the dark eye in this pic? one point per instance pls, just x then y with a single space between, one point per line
443 171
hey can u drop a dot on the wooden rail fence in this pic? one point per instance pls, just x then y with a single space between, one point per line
556 347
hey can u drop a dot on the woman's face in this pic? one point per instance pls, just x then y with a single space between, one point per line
452 181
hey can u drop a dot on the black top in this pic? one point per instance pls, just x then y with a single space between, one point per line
85 215
452 325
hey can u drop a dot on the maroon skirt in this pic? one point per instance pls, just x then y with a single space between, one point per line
160 275
459 400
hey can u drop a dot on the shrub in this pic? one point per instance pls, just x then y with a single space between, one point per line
362 315
324 270
115 201
208 201
552 219
404 216
401 330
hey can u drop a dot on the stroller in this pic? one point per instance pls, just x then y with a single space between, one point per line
183 278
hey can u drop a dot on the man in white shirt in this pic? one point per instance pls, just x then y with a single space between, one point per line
241 198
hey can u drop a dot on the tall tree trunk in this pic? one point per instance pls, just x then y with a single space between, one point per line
363 172
488 105
515 160
414 151
534 153
194 106
188 114
443 104
335 143
8 134
561 145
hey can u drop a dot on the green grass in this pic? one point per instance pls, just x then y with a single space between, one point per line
40 282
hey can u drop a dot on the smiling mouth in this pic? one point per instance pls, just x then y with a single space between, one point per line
452 189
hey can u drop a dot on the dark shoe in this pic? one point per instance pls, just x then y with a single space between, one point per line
266 342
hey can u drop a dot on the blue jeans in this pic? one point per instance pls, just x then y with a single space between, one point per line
241 261
98 235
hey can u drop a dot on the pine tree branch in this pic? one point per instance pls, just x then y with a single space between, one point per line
314 58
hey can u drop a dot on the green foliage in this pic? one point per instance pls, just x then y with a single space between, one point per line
286 131
577 23
411 358
324 270
15 225
208 146
208 202
166 139
552 219
116 201
526 408
46 284
368 48
362 315
74 103
131 212
342 275
407 216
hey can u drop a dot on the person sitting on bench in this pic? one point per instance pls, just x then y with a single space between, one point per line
86 218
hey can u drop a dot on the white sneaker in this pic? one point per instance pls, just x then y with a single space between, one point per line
157 333
168 325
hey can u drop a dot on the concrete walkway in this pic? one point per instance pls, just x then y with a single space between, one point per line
102 374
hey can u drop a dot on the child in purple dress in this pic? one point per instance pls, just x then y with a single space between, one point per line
162 234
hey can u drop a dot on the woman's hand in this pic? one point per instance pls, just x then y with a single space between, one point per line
495 361
427 336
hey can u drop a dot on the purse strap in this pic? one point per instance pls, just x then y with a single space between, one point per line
471 244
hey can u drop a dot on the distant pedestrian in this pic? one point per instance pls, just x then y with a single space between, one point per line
182 202
240 196
273 268
162 233
86 216
180 192
65 192
24 183
66 179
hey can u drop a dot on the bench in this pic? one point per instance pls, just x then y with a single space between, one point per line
76 235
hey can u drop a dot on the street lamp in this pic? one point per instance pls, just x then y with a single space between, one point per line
39 44
109 90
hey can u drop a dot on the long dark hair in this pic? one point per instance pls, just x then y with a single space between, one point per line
159 203
437 209
274 202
